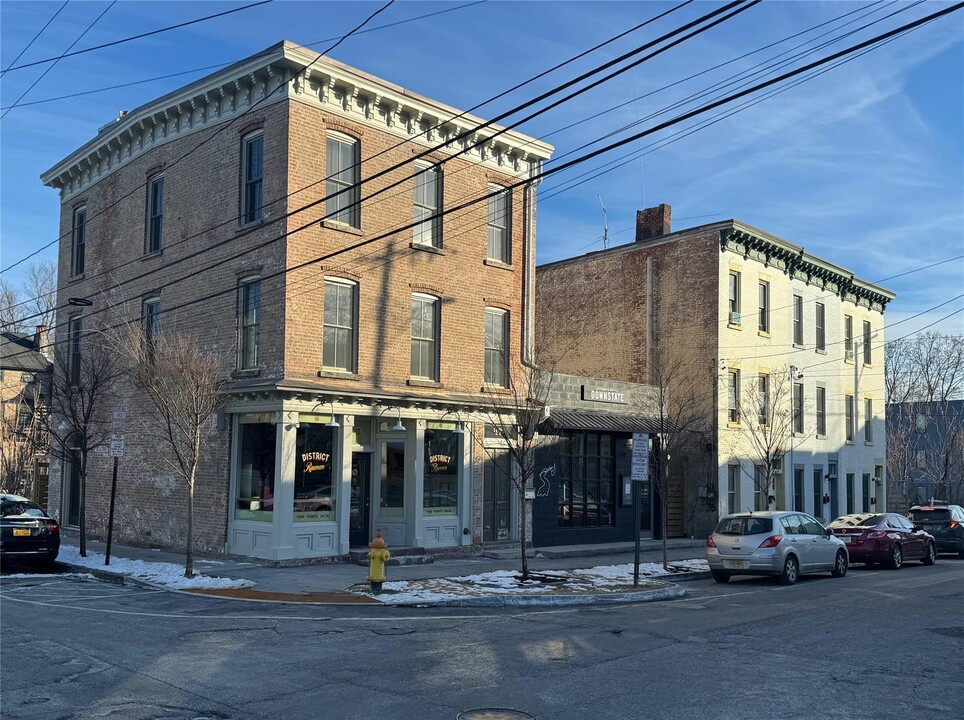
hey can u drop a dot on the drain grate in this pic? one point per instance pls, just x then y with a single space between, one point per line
494 714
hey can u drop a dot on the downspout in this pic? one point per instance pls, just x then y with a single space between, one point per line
529 264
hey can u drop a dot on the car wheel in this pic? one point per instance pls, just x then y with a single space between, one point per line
930 557
896 558
791 571
840 565
721 577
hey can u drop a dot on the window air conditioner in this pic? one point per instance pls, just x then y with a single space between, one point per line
734 318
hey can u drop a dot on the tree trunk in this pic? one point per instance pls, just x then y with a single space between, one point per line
83 505
189 549
663 481
522 534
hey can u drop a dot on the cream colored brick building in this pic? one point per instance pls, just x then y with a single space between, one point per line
670 292
359 337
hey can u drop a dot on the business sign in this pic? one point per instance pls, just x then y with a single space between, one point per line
603 394
640 471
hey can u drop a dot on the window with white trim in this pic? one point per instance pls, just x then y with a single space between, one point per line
820 327
78 243
342 169
428 201
499 238
764 302
425 333
155 215
338 335
151 317
798 320
868 420
733 396
252 176
249 322
496 355
734 303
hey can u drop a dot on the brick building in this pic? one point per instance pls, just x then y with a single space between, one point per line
744 320
361 337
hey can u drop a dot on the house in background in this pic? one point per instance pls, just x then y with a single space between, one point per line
361 337
754 331
925 454
25 383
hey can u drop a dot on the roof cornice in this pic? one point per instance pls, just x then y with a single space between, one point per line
312 79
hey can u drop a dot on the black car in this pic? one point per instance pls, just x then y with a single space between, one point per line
944 522
27 533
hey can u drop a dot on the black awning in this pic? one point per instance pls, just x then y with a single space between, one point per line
563 419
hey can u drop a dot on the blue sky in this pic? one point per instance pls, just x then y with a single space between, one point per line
863 165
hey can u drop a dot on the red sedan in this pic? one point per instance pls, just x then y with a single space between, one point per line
886 538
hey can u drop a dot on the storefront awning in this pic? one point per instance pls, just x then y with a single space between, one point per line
562 419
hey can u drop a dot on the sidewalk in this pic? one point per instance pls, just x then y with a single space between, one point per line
573 575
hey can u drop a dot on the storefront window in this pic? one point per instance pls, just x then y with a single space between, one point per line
314 486
256 467
587 491
442 464
393 479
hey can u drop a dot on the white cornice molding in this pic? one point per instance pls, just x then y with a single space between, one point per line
316 81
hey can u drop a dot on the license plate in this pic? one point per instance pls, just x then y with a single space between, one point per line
735 564
848 540
21 532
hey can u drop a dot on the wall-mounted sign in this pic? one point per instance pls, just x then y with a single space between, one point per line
314 461
603 394
439 463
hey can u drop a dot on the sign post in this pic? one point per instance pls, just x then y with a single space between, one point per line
118 425
640 474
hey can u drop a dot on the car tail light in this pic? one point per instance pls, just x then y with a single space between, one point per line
710 542
953 524
771 541
876 534
53 526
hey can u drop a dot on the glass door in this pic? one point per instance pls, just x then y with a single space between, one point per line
359 520
496 499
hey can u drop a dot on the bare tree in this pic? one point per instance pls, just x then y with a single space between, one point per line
84 382
31 304
10 308
767 423
514 414
926 368
181 385
680 410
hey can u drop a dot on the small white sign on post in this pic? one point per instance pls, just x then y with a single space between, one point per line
640 457
117 446
118 422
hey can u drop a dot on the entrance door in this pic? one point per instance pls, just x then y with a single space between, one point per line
359 521
496 499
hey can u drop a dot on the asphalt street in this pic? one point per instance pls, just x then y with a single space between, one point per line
875 644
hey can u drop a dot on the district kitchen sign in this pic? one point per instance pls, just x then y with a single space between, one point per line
603 394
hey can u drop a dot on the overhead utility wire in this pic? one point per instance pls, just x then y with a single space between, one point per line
134 37
33 40
218 131
51 67
595 153
228 64
358 164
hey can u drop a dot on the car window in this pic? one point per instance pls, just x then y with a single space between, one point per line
856 520
20 508
811 526
930 515
792 524
904 522
744 526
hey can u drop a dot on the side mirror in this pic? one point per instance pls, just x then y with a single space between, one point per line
918 528
829 532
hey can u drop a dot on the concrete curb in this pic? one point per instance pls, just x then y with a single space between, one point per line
672 592
117 578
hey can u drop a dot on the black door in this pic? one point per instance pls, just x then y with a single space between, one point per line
496 499
359 521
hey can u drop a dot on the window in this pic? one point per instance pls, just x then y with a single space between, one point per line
920 459
764 392
733 396
764 293
850 493
499 224
256 466
868 420
732 488
496 332
821 411
253 178
849 418
428 200
314 496
848 333
392 475
588 486
75 328
865 490
798 408
152 324
760 501
78 245
798 489
249 322
425 329
821 328
867 345
338 341
342 184
797 320
818 491
155 214
443 460
734 297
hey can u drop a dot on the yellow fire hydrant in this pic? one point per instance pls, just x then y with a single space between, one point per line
377 557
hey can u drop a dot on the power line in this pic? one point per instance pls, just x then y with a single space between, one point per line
228 64
34 39
134 37
51 67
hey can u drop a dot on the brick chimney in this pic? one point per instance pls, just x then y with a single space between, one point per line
653 222
40 341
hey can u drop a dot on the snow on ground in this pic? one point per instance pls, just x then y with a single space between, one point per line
162 573
58 576
603 578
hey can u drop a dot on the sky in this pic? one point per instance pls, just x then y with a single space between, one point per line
862 165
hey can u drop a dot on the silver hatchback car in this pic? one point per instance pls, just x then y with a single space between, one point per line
786 544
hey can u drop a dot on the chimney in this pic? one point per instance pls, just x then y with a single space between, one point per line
653 222
40 341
